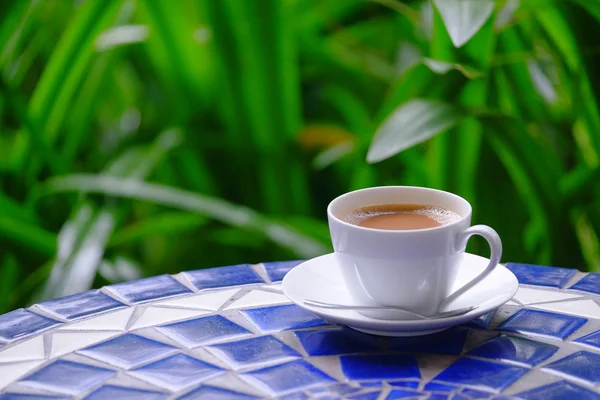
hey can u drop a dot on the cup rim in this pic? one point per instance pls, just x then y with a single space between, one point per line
398 231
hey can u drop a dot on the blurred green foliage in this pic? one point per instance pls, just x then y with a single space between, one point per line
152 136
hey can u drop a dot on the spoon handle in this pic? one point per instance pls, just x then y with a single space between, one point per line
332 306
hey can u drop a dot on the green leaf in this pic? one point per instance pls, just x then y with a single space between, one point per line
174 26
411 123
588 238
464 18
261 99
592 7
89 98
443 67
121 270
556 25
332 155
233 237
28 235
34 129
140 161
398 6
67 68
506 14
215 208
415 81
81 243
9 207
169 223
9 278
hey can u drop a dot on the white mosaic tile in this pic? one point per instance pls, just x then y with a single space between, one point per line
112 321
157 316
259 298
232 382
290 338
330 365
528 296
32 349
203 354
131 382
531 380
583 308
13 371
206 301
66 342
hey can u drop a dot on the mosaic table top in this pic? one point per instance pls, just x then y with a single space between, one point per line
230 333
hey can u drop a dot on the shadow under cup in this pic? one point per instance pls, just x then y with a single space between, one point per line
412 269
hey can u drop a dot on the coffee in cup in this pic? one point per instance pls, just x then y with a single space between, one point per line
401 216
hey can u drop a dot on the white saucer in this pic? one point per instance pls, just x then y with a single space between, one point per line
320 279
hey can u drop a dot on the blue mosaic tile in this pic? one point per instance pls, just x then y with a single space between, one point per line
296 375
438 396
337 341
482 322
450 341
439 387
588 284
80 305
541 276
295 396
277 270
21 323
177 372
401 394
372 383
258 350
224 276
380 367
20 396
203 330
475 394
593 339
213 393
67 377
281 318
459 396
559 390
545 323
340 388
128 351
514 349
122 393
481 374
319 390
146 289
582 365
406 384
366 396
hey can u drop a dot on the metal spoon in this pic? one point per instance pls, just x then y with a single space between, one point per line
333 306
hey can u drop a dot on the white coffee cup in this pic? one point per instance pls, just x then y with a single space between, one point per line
412 269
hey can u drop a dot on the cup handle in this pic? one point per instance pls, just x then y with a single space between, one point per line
495 254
